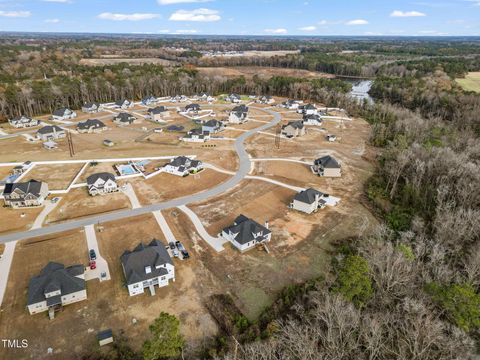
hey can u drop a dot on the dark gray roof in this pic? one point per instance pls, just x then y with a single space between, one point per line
91 104
308 196
103 175
198 131
91 123
192 106
124 117
311 116
213 123
105 334
309 107
134 262
327 162
295 124
157 110
60 112
55 276
234 96
120 102
49 129
30 187
240 109
245 229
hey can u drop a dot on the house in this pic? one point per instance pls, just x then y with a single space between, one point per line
291 104
124 118
92 107
149 100
178 98
55 287
25 194
20 169
182 166
101 183
246 233
91 126
196 135
308 201
265 99
51 132
204 97
238 115
233 98
192 108
293 129
158 113
23 122
147 266
213 126
123 104
327 166
313 120
63 114
307 109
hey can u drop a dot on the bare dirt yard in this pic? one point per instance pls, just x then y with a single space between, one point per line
77 203
262 72
17 219
130 61
57 176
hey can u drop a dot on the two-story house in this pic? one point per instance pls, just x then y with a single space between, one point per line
246 233
25 194
327 166
101 183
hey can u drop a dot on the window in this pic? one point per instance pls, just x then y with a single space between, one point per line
163 278
135 286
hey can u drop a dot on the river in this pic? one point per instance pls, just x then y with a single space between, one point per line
360 89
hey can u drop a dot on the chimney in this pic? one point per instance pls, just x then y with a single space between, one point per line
148 269
266 224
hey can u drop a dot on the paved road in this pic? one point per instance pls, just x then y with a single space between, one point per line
122 214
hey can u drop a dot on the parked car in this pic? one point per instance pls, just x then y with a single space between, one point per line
93 265
93 255
179 245
172 245
185 254
55 199
175 253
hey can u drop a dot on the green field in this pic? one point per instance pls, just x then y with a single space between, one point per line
471 82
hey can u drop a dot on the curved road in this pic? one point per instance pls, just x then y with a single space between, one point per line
122 214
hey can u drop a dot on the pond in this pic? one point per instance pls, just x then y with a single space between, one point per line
360 89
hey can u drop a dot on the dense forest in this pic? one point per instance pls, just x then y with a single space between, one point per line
409 291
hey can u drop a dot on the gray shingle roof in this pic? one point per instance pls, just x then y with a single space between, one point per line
245 229
157 110
327 162
213 123
60 112
103 175
91 123
294 124
308 196
124 117
134 262
55 276
30 187
192 107
49 129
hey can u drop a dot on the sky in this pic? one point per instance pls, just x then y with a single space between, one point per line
245 17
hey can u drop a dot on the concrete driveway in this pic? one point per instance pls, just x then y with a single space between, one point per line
102 265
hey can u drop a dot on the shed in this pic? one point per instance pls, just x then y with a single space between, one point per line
49 145
108 142
105 337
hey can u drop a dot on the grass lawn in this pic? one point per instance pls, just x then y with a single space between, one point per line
471 82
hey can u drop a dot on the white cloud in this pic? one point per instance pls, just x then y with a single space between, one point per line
170 2
52 21
399 13
276 31
15 14
308 28
129 17
323 22
204 15
475 2
357 22
186 31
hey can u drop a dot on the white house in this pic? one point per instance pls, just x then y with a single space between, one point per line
147 267
233 98
92 107
91 126
293 129
265 99
246 233
64 114
149 100
23 122
124 119
312 120
158 114
213 126
308 201
101 183
25 194
192 108
124 104
55 287
196 135
327 166
182 166
238 115
204 97
307 109
51 132
291 104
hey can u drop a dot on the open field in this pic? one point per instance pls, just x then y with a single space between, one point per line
262 72
471 82
57 176
77 203
164 186
130 61
12 219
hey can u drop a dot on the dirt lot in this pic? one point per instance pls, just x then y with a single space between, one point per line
262 72
57 176
131 61
77 203
166 186
16 323
12 220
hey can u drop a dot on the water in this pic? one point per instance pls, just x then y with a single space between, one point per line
360 89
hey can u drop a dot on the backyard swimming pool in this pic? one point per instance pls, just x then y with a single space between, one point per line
127 169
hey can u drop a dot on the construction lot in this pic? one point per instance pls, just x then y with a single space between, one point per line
299 249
